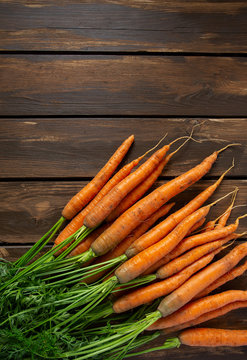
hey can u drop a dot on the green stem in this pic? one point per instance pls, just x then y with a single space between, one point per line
123 336
44 258
82 273
142 340
39 245
90 297
83 233
169 344
99 292
136 282
102 311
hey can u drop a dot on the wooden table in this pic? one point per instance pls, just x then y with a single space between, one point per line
77 77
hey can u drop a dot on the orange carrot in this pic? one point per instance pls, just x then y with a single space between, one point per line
190 257
142 228
196 226
138 191
141 189
117 194
86 243
131 218
232 274
207 316
193 241
77 222
210 225
223 219
90 190
120 249
150 292
199 307
142 261
213 337
174 219
201 280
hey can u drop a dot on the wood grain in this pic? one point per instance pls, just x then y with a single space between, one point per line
28 209
106 25
65 148
122 85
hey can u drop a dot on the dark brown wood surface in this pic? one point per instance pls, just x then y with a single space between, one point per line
126 25
77 77
123 85
76 148
28 209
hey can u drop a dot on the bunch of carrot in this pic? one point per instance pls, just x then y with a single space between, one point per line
109 247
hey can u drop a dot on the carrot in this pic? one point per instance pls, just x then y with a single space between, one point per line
223 219
138 191
77 222
77 203
207 316
120 249
199 307
142 261
141 229
193 241
196 226
90 190
117 194
86 243
173 220
213 337
232 274
188 258
131 218
210 225
201 280
141 189
150 292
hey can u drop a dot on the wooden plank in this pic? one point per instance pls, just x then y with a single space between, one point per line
29 209
233 320
105 25
31 148
123 85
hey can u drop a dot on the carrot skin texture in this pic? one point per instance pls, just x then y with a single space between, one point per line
139 212
77 222
203 238
138 191
223 219
207 316
141 229
122 189
142 261
188 258
193 241
200 307
232 274
173 220
213 337
210 226
83 197
86 243
120 248
196 226
161 288
201 280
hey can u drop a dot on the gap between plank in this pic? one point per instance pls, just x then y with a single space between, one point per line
121 53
